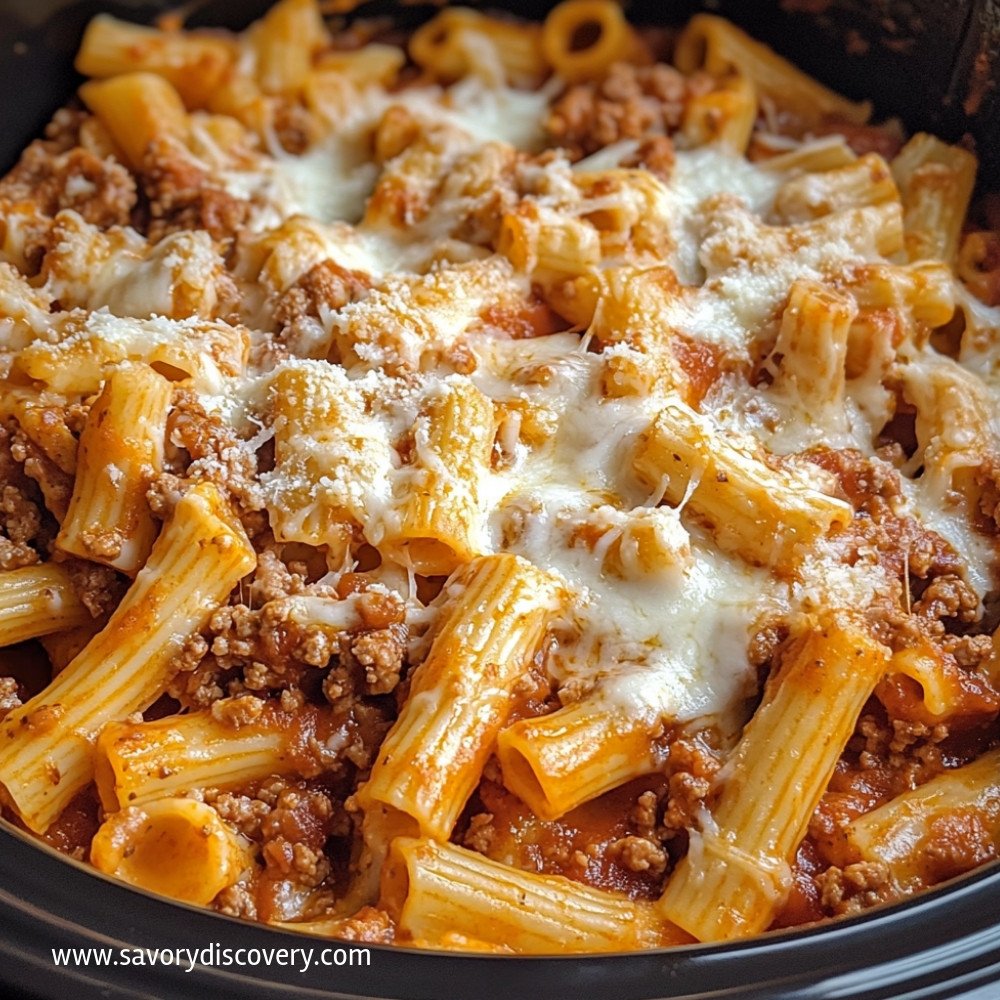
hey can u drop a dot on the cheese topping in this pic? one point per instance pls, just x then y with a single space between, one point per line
659 618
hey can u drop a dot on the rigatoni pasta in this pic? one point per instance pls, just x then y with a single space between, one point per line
461 695
36 601
571 756
722 48
761 513
193 64
460 41
903 833
811 350
437 889
725 115
178 847
137 109
935 181
739 858
583 38
121 449
866 181
199 556
142 762
285 40
438 525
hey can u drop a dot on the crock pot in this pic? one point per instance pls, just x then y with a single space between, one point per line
936 64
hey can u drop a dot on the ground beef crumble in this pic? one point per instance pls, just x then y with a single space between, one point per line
238 712
631 102
988 482
103 192
26 527
9 695
99 588
645 813
901 543
291 822
325 286
640 854
274 577
598 843
209 450
899 745
856 887
368 926
55 485
655 154
691 769
60 172
181 197
377 654
947 597
248 647
247 653
237 901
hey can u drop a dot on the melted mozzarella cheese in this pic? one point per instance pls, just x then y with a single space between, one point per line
701 173
658 618
331 180
493 114
671 645
949 517
664 635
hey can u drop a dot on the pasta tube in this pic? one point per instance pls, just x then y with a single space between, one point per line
761 514
434 889
140 762
47 745
812 345
138 109
556 762
194 64
458 41
331 458
723 116
121 448
899 833
80 360
36 601
582 38
180 848
716 45
439 525
866 181
285 40
936 182
735 874
459 697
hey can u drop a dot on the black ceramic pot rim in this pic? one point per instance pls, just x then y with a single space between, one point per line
940 944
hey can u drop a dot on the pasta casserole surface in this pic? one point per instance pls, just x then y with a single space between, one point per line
521 487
